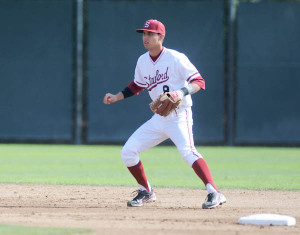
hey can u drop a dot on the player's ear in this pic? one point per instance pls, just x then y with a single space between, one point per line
162 37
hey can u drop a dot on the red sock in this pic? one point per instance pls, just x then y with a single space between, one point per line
139 174
202 170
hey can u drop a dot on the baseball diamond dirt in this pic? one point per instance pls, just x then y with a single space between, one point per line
176 211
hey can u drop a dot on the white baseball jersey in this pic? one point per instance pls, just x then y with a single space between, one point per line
171 71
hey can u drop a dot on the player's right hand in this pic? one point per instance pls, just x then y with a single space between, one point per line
109 98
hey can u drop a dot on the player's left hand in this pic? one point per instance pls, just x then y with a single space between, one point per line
166 103
175 96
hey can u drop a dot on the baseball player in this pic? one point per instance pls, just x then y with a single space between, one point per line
170 78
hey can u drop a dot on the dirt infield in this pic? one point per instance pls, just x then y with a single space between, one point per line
176 211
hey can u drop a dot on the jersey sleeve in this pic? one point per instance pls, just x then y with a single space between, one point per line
199 81
134 88
186 69
131 89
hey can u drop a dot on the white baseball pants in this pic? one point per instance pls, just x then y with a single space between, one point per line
176 127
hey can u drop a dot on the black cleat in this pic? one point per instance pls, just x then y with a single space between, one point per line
213 200
142 197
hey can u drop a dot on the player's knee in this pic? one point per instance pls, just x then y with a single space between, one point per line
190 156
129 156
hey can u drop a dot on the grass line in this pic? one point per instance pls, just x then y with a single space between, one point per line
29 230
231 167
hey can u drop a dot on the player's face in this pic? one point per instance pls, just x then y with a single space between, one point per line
152 40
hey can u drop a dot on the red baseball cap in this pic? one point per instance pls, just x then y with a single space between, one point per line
154 26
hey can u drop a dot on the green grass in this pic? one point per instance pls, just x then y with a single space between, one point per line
231 167
26 230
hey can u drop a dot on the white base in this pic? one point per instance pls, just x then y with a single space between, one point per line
268 219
